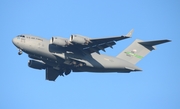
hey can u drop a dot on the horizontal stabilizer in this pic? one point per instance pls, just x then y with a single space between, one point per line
133 69
152 43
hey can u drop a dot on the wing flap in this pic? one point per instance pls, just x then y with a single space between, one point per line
51 74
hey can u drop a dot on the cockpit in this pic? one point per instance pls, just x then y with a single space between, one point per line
20 36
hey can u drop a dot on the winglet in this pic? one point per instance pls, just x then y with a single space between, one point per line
130 33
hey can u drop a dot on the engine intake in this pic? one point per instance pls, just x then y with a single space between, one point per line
60 41
80 39
36 64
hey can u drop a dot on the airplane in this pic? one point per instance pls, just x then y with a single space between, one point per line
60 56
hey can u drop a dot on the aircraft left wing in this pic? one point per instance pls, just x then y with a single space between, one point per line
97 44
51 74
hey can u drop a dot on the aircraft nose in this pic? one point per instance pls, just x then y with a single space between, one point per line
13 41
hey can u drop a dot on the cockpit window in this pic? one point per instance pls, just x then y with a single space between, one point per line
20 36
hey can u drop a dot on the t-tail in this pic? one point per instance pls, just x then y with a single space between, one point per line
138 50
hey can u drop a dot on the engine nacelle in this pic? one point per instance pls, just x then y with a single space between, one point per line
36 64
80 39
59 41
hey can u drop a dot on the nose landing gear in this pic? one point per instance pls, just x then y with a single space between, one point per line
20 52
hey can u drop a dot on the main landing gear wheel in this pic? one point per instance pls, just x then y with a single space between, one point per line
67 71
61 73
20 52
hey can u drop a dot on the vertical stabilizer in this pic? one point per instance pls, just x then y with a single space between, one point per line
139 49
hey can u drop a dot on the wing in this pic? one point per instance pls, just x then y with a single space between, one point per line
95 45
51 74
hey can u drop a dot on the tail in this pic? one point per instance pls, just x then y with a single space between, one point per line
139 49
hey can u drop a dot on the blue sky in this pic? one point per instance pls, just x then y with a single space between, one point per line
156 87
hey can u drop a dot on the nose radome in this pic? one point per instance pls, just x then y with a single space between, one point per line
13 41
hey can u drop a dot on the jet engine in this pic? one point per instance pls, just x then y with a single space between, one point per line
60 41
80 39
36 64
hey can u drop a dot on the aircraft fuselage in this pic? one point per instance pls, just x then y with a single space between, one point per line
59 57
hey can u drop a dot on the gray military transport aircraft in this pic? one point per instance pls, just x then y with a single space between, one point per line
59 56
